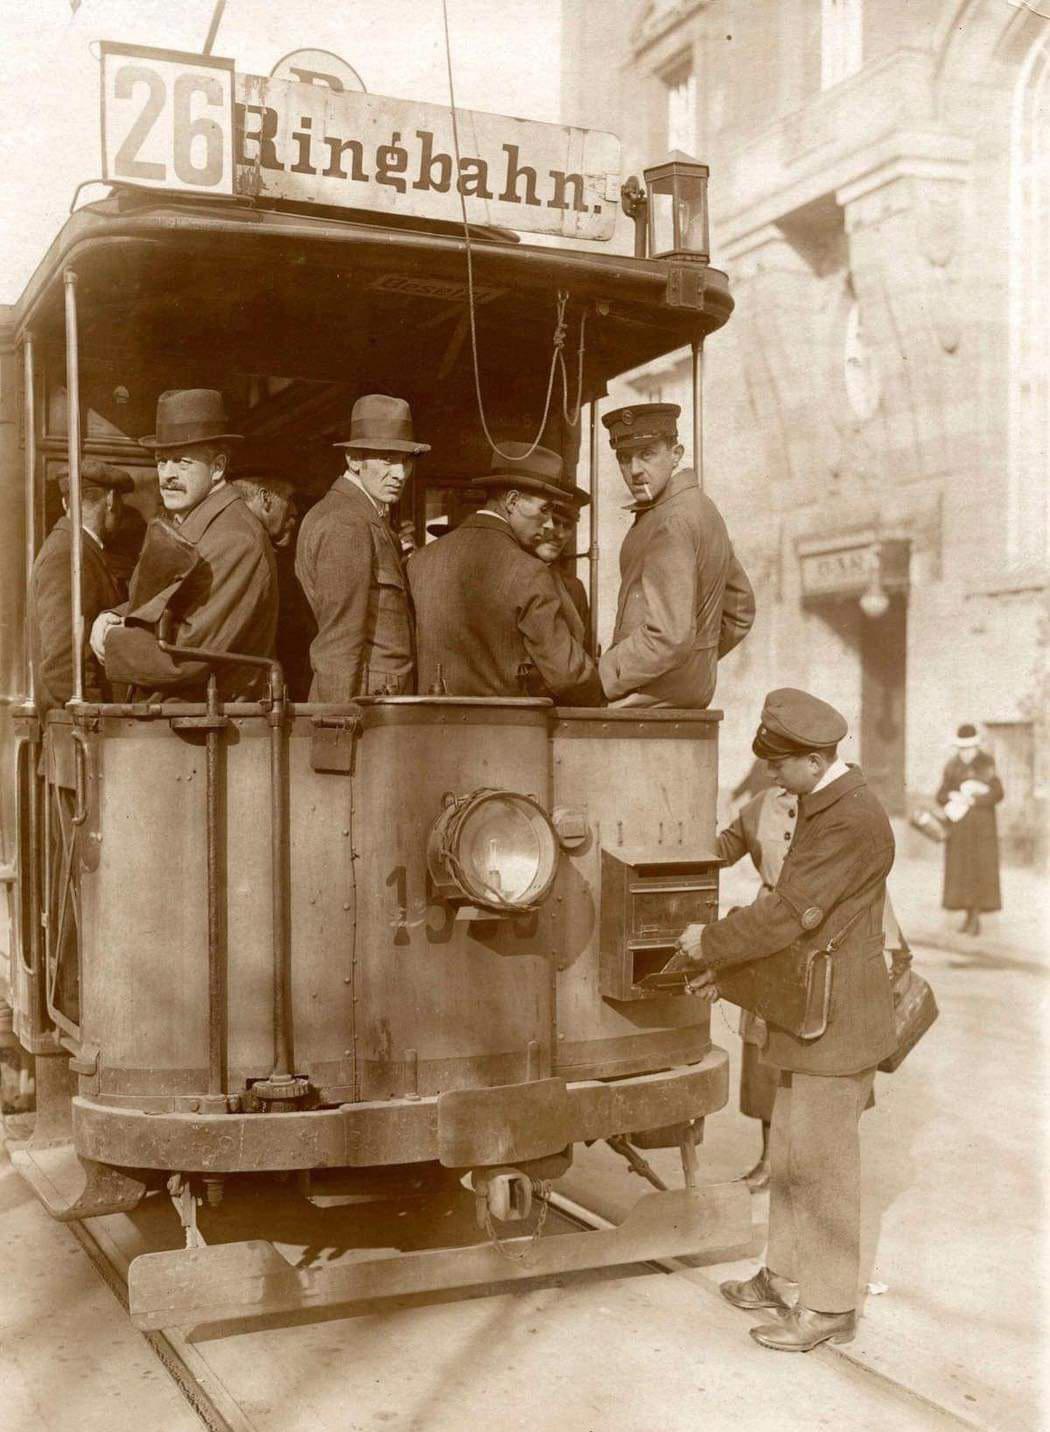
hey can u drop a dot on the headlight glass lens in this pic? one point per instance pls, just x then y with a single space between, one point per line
500 849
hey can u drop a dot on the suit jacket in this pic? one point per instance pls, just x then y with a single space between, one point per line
228 603
349 564
484 608
575 605
835 869
50 617
685 600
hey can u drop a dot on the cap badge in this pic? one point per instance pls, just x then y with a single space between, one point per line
627 417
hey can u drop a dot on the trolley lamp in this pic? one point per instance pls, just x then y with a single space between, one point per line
677 210
492 852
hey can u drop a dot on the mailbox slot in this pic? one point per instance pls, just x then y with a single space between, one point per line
647 900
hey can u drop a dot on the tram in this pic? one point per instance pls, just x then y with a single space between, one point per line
255 938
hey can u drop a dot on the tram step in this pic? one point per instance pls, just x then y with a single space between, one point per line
71 1188
194 1287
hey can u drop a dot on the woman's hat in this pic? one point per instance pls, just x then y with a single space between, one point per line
532 469
190 415
382 424
967 736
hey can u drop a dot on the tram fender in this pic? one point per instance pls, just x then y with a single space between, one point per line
195 1287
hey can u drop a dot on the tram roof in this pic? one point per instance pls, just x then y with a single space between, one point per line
136 252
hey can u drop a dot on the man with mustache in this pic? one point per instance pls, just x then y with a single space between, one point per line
348 561
228 600
490 618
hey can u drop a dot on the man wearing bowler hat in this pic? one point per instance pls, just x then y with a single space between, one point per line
830 892
490 620
49 618
225 597
685 600
349 563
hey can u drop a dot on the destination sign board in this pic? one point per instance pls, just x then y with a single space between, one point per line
190 123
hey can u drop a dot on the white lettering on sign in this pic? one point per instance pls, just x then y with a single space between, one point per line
167 120
845 571
165 125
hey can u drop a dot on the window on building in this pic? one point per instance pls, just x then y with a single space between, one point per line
841 40
681 109
1028 493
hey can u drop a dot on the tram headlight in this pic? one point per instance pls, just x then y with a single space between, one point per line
495 849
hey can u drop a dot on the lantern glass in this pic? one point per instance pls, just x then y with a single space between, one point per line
678 222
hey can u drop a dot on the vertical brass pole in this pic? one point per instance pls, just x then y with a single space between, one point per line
282 975
592 545
698 411
216 890
76 552
29 410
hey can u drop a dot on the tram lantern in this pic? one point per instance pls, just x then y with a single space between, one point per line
495 850
677 210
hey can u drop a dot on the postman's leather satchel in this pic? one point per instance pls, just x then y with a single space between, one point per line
914 1010
791 989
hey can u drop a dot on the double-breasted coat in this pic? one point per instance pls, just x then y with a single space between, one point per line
834 872
485 608
349 564
50 616
971 852
227 603
684 601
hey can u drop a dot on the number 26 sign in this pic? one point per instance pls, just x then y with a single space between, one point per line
167 119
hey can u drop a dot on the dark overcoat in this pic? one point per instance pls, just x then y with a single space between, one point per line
50 617
684 601
971 852
484 608
574 604
349 564
835 870
228 603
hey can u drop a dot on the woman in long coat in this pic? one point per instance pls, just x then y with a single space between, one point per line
969 792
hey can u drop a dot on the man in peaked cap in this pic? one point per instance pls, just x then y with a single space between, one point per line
225 600
831 887
490 619
49 616
348 561
685 600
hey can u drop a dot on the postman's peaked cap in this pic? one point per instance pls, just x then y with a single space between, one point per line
97 474
793 722
641 424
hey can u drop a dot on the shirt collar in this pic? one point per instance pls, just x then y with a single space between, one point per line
354 481
836 769
851 779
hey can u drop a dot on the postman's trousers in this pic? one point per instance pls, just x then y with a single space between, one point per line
814 1190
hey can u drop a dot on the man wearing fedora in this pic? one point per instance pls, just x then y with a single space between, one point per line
227 599
348 561
490 620
685 600
49 618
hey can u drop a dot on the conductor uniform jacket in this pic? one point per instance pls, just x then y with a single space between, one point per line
833 879
485 608
50 616
227 603
685 601
348 562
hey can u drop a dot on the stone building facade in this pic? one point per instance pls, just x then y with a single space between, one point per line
876 414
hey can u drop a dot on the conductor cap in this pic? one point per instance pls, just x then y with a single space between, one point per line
794 722
641 424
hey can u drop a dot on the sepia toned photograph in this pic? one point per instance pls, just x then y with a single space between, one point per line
524 713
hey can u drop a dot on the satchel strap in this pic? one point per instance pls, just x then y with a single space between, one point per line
836 940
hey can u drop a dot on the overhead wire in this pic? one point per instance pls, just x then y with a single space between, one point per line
557 354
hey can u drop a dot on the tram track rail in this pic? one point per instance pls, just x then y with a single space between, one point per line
219 1411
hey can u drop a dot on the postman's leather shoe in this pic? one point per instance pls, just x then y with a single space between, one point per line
802 1329
764 1290
758 1177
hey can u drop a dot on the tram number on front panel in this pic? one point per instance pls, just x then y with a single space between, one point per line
167 120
